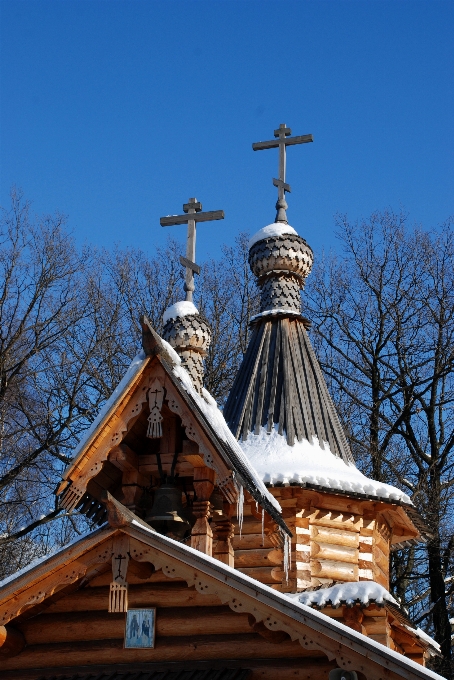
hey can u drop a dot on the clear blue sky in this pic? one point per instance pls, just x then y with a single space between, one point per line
116 112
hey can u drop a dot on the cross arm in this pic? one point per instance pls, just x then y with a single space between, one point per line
172 220
288 141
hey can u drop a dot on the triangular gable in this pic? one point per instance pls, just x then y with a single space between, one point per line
310 634
202 420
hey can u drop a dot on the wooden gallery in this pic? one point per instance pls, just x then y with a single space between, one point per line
234 545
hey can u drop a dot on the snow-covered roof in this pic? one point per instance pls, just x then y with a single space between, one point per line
310 463
362 592
275 229
183 308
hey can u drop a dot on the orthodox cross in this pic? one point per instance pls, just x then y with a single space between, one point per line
193 209
283 141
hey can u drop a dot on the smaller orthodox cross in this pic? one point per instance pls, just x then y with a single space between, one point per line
193 209
283 140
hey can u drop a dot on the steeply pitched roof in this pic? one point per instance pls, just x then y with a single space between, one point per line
202 406
280 382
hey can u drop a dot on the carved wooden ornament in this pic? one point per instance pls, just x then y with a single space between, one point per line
155 400
118 594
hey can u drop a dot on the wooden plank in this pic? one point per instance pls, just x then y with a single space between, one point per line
288 384
299 407
246 426
234 412
273 391
263 377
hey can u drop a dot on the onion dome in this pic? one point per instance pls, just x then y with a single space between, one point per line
281 260
280 388
188 332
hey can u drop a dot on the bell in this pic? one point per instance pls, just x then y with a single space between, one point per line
167 513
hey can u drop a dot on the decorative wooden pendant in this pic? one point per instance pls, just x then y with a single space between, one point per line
155 399
118 595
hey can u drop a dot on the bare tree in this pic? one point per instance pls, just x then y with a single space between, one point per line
384 330
59 360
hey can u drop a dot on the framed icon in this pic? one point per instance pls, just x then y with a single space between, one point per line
140 628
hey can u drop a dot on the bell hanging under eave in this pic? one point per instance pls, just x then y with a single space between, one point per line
167 513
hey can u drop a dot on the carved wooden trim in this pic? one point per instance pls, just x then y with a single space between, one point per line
64 576
73 493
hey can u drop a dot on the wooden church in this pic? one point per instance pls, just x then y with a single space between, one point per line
234 545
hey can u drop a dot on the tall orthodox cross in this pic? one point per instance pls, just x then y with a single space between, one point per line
193 209
283 141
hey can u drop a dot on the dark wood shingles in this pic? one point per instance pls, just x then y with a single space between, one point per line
272 401
262 380
250 393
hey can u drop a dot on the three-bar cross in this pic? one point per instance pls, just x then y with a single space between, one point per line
283 140
193 209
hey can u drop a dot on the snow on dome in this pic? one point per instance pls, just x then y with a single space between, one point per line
275 229
305 462
183 308
345 593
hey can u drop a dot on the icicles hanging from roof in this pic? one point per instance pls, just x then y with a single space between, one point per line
240 507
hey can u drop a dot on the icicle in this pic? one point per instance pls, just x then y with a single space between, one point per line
263 526
287 556
240 507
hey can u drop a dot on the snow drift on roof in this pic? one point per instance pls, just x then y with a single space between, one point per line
362 592
183 308
275 229
305 462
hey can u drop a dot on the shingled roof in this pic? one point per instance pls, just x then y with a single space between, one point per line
280 384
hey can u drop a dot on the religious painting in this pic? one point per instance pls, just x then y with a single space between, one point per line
140 628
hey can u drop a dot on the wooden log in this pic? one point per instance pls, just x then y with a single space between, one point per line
339 553
258 558
336 571
262 574
80 626
335 536
193 648
153 595
251 542
12 641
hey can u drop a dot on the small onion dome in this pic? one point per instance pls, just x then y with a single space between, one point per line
278 248
188 332
185 328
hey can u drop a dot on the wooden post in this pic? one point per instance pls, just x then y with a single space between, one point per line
201 535
224 533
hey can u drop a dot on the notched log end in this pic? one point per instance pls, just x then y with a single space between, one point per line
12 642
118 516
